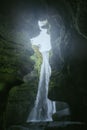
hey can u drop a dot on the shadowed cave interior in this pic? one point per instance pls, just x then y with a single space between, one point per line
20 69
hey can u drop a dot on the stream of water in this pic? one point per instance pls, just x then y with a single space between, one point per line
43 108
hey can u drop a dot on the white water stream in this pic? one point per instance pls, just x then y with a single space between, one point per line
43 108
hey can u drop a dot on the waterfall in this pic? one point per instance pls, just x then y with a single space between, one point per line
43 108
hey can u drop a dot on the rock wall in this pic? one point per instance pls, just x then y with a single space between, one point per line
18 23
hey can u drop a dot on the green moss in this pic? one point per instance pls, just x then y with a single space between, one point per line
37 58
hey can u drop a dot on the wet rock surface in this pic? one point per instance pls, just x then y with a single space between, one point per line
68 125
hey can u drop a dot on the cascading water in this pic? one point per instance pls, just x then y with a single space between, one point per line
43 108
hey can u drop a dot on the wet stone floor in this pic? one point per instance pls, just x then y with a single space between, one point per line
60 125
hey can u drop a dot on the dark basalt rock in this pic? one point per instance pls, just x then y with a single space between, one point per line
66 126
62 115
50 126
69 65
70 81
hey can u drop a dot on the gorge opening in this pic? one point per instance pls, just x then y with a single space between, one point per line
43 108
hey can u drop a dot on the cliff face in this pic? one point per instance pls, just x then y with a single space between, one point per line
15 62
18 23
69 59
